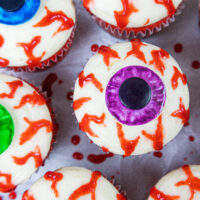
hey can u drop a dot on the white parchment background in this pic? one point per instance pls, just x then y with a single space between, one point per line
137 174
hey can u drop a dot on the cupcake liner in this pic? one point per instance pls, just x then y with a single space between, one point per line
46 64
141 32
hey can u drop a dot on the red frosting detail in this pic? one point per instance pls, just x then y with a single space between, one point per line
3 62
79 102
12 195
176 76
29 48
105 149
7 186
120 197
97 159
168 5
34 99
85 123
1 41
136 45
182 113
158 55
51 17
107 54
14 85
89 188
35 155
89 78
122 17
148 20
55 177
127 145
26 196
86 3
34 127
158 137
158 195
192 182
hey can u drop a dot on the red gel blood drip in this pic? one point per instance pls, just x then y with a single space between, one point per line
196 64
70 96
60 82
78 156
158 154
12 195
186 124
94 48
48 83
8 185
169 5
75 140
98 159
178 48
191 138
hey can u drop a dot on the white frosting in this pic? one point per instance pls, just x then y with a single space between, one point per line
24 33
147 9
42 139
167 184
107 132
73 178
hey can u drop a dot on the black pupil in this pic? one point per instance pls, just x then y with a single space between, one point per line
11 5
135 93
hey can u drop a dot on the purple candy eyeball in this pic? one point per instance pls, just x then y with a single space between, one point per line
135 95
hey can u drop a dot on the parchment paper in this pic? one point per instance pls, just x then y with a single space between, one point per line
136 175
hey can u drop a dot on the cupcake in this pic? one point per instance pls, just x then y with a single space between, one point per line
34 34
131 98
131 18
180 184
26 131
73 183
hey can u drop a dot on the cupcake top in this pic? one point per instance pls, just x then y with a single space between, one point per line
131 98
181 184
73 183
32 31
26 131
132 13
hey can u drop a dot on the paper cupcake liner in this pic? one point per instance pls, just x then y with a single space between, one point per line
141 32
46 64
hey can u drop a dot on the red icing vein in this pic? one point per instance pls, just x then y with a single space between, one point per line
158 195
158 137
85 123
34 127
3 62
79 102
192 182
157 56
34 99
7 186
122 17
26 196
51 17
89 78
14 85
168 5
107 54
182 113
120 197
127 145
86 3
55 177
89 188
35 155
136 45
28 48
176 76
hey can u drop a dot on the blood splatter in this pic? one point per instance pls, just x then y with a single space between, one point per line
75 140
98 159
178 48
191 138
70 95
196 64
13 195
158 154
78 156
94 48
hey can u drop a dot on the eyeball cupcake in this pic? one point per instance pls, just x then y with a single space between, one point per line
34 34
180 184
26 131
131 98
73 183
131 18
